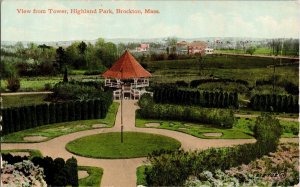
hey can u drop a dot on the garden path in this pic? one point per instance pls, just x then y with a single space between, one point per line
121 172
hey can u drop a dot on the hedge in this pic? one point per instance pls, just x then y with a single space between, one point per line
218 117
173 95
57 172
16 119
173 169
275 103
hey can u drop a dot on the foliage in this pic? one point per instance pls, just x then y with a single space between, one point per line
16 119
65 79
275 103
277 169
57 172
267 131
218 117
54 130
13 84
175 168
145 100
78 91
250 50
23 173
94 178
170 94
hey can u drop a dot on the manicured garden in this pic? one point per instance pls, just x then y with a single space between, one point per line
108 145
94 178
58 129
247 164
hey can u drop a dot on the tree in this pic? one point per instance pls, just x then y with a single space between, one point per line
13 84
60 57
250 50
82 48
66 75
267 131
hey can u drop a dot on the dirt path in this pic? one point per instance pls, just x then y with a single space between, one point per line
255 115
24 93
121 172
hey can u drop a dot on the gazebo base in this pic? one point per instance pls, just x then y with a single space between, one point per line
132 94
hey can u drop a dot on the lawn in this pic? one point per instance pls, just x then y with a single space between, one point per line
194 129
38 83
94 178
140 175
23 100
242 129
59 129
108 145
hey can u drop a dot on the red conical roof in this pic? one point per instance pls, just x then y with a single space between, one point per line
126 68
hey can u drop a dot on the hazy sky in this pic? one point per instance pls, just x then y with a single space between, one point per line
177 18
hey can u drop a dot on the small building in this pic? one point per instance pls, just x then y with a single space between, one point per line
128 78
143 48
197 47
209 51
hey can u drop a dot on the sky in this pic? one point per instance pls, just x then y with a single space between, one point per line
184 19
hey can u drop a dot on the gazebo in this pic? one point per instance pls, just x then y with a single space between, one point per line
128 77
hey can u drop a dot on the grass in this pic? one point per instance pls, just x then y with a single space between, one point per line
140 175
23 100
38 83
242 129
32 152
194 129
94 178
59 129
108 145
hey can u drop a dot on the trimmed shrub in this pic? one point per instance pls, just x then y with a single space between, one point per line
5 123
274 103
90 109
65 112
39 115
97 109
172 95
16 119
84 110
58 110
52 112
71 111
46 115
218 117
77 110
22 118
72 172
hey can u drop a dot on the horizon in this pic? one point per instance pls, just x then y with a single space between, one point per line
188 19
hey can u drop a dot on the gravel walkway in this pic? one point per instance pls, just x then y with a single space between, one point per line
121 172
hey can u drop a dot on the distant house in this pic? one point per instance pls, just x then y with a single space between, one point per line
197 47
182 44
143 48
209 51
181 47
